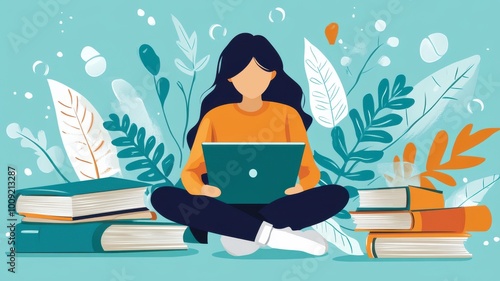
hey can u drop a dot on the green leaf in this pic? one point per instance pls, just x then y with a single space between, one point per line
150 144
149 59
138 164
160 149
125 123
399 84
163 89
141 135
133 131
150 175
353 192
383 93
402 103
388 120
338 142
114 124
325 179
343 214
357 122
363 175
129 152
327 163
367 156
369 108
122 141
404 92
167 164
377 136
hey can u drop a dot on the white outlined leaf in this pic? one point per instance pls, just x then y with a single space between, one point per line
472 193
332 232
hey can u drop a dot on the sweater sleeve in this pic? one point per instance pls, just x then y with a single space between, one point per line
195 166
309 173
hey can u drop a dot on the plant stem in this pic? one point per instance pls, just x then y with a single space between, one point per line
188 101
46 155
168 126
363 68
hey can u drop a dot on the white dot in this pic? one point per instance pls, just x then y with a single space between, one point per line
487 49
354 8
46 117
48 107
361 29
158 113
345 61
384 61
15 93
70 17
465 180
341 41
151 21
345 47
380 25
140 12
496 239
59 54
7 234
28 172
486 243
61 13
393 41
252 173
353 15
28 95
62 31
60 22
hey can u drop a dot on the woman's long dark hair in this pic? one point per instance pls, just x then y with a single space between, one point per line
233 59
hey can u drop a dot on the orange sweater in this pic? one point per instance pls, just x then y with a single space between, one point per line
273 122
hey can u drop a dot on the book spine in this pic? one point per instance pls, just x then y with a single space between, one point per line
59 238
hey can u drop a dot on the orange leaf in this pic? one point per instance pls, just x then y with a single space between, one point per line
440 176
437 150
424 182
461 162
466 141
410 153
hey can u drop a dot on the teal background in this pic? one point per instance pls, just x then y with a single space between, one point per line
114 29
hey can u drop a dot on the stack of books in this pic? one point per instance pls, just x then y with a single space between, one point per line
412 222
100 215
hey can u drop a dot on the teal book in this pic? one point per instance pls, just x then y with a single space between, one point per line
95 237
400 198
82 200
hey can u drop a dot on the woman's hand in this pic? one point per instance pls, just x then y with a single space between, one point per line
294 189
210 191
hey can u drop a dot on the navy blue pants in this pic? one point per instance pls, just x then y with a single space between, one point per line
208 214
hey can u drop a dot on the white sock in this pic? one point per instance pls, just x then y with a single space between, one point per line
238 247
310 241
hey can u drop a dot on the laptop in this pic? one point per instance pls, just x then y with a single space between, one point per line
252 172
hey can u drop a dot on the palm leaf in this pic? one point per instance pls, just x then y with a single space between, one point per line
328 100
87 144
472 193
332 232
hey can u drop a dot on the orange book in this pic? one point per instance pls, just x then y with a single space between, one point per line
462 219
417 245
140 215
400 198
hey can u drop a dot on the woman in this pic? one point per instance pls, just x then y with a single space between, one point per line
251 88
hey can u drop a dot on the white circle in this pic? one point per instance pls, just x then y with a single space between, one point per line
46 117
496 239
62 31
48 107
345 47
60 22
28 172
151 21
252 173
393 42
465 180
341 41
7 234
433 47
28 95
380 25
384 61
486 243
70 17
158 113
15 93
487 49
140 12
353 15
345 61
59 54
